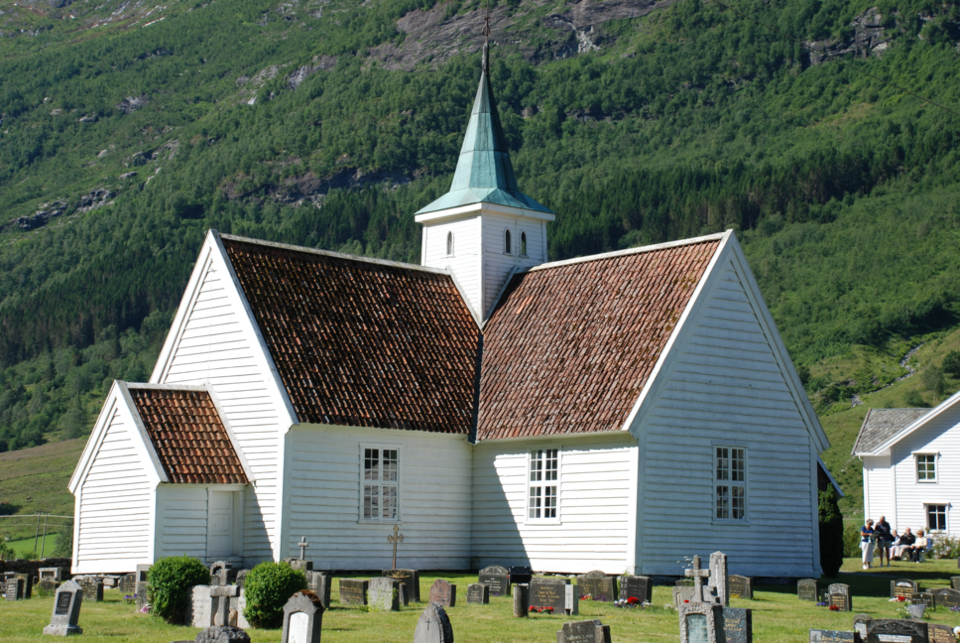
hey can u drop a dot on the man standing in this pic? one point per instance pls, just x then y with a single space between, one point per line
884 538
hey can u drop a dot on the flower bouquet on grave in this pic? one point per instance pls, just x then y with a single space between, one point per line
585 597
629 602
602 599
145 609
898 599
541 610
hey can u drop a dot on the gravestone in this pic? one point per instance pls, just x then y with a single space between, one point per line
719 581
317 582
353 591
111 582
520 574
27 584
926 598
738 625
895 630
521 600
808 590
860 624
955 582
478 594
701 623
92 588
839 594
638 587
221 571
47 586
548 592
903 587
223 634
571 599
940 633
241 578
66 610
128 584
50 573
834 636
584 632
682 594
946 597
302 618
220 596
741 586
142 595
143 576
598 585
383 595
916 610
497 579
433 626
444 593
410 578
14 589
200 613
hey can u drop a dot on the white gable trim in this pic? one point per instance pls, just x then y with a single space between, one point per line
145 445
944 406
213 253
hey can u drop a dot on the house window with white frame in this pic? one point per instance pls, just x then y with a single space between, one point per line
926 467
544 479
381 481
731 467
936 517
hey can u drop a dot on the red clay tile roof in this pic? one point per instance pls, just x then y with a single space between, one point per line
362 343
188 436
570 347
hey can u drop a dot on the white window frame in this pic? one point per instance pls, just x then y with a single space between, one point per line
531 459
362 483
522 250
936 466
946 517
507 241
716 483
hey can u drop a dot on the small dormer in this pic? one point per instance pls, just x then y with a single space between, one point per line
484 227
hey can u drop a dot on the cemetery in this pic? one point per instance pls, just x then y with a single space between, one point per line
361 606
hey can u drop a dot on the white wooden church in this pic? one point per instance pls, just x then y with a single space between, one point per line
618 412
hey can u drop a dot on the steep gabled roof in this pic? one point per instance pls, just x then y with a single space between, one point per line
361 342
880 425
188 435
571 344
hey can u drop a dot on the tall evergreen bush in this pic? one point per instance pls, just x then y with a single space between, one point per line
170 582
268 588
831 532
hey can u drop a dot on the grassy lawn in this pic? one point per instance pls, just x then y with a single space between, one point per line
778 616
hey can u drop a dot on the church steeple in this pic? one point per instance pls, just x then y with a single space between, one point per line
484 172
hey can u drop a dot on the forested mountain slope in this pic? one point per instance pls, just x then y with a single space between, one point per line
129 129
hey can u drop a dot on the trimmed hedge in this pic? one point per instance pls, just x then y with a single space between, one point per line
170 582
267 589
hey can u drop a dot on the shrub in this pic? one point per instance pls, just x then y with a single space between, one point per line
945 547
170 582
933 381
913 399
64 545
851 541
832 543
951 364
267 588
6 551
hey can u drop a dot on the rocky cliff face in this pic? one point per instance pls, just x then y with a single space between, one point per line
867 38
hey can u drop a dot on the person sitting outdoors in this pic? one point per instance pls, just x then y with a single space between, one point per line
919 546
884 539
904 544
867 540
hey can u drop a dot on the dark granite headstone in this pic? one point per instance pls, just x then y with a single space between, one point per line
946 597
520 574
584 632
302 618
383 594
940 633
838 594
444 593
222 634
497 579
925 598
478 593
808 590
896 630
410 578
47 586
834 636
598 585
14 589
521 600
128 584
353 591
860 624
741 586
903 587
66 610
738 624
433 626
955 582
27 584
92 588
548 592
241 579
638 587
317 582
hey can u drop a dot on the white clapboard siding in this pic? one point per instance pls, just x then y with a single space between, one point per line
115 508
465 261
216 345
940 435
593 530
879 490
182 520
497 264
723 385
323 469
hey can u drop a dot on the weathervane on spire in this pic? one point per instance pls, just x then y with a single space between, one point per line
486 40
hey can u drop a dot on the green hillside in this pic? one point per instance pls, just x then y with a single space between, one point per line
129 130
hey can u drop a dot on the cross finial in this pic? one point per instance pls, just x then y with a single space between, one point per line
396 538
486 41
303 544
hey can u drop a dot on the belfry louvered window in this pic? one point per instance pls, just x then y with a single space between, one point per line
449 244
507 246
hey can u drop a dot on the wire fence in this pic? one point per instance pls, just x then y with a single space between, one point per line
46 524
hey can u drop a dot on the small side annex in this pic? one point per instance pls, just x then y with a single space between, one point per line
161 475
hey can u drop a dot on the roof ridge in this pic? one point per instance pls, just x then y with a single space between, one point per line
332 254
629 251
153 386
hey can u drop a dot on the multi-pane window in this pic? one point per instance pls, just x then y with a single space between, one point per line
926 467
936 517
731 483
380 484
507 246
544 467
523 244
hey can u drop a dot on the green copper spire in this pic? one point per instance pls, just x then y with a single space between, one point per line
484 172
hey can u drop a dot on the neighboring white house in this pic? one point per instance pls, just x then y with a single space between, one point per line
616 412
911 466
